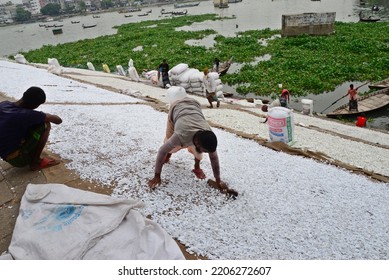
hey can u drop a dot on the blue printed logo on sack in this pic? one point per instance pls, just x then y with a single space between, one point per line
59 217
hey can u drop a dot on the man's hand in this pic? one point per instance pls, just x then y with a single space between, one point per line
153 183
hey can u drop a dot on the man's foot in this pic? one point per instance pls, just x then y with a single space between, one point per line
210 107
44 163
218 104
199 173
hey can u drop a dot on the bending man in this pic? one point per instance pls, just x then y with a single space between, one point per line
24 131
187 128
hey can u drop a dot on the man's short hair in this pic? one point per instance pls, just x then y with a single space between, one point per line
34 96
208 140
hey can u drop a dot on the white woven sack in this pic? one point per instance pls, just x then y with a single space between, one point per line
179 68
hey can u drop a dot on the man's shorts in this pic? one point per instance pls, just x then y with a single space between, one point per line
23 155
213 95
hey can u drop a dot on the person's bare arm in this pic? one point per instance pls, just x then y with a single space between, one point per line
214 158
53 118
173 142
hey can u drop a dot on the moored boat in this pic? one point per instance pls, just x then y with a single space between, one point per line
88 26
181 13
369 19
185 5
164 12
372 101
57 31
380 85
223 67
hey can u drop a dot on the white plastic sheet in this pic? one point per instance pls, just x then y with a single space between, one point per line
58 222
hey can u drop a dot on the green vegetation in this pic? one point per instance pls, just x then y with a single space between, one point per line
304 64
51 9
22 15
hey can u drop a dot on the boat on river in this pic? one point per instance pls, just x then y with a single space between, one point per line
223 67
380 85
370 18
88 26
179 13
185 5
57 31
368 103
164 12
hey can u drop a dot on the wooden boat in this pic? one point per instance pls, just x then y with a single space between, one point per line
224 66
185 5
368 103
95 16
58 25
181 13
127 15
134 10
74 22
369 19
234 1
88 26
164 12
380 85
57 31
143 15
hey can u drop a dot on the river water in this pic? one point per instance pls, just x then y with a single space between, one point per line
249 15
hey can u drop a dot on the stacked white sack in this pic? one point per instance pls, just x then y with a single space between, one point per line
151 75
218 82
120 70
132 73
19 58
196 83
175 72
54 66
90 66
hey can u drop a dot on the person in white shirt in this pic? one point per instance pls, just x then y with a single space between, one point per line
210 89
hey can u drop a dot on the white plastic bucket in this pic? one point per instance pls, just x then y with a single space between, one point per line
307 106
281 125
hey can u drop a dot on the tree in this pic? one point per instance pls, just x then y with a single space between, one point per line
51 9
105 4
81 5
22 15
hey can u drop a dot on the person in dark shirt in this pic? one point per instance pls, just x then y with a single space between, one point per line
163 70
25 131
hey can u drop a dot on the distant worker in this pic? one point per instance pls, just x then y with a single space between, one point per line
163 70
187 128
285 98
216 64
210 89
353 98
25 131
361 120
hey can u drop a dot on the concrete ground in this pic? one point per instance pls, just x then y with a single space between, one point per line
13 181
